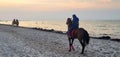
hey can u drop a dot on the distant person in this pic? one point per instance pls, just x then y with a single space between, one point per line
17 22
13 22
75 24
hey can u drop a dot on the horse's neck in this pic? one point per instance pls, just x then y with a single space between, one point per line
69 26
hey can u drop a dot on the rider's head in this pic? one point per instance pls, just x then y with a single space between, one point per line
74 16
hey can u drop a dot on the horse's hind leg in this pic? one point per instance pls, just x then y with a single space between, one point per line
83 46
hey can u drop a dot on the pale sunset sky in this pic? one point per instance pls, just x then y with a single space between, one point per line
59 9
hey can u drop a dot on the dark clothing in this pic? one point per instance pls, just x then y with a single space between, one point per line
75 24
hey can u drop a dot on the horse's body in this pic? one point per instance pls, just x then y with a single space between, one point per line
80 34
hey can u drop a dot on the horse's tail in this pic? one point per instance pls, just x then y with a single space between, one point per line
86 37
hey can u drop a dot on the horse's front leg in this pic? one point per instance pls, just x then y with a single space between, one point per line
72 44
69 44
71 40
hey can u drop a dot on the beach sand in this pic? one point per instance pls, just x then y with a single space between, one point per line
25 42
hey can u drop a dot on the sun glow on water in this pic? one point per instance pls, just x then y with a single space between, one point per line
95 28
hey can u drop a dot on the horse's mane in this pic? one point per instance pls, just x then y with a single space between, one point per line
69 22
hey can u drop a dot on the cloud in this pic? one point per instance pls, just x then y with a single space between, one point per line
55 5
105 1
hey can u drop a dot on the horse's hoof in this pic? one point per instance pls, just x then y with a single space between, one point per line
82 53
69 50
73 49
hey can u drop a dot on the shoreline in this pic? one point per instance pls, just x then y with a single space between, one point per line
64 33
60 32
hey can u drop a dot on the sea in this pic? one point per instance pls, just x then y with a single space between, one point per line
95 28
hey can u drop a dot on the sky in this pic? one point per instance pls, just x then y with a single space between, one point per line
59 9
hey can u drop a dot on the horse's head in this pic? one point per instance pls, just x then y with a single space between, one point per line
69 22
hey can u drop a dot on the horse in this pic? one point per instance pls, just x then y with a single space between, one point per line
81 34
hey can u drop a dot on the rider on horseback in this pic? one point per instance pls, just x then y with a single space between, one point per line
75 25
74 32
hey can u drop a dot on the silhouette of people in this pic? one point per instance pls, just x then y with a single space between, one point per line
15 22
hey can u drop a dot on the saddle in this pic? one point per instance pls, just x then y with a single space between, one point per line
74 33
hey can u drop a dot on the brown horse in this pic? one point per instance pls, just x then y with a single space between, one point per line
80 34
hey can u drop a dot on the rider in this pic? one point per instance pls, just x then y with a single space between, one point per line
75 24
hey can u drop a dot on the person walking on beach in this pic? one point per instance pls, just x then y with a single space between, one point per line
17 22
13 22
75 24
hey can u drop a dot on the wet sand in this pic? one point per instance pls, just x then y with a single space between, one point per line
25 42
